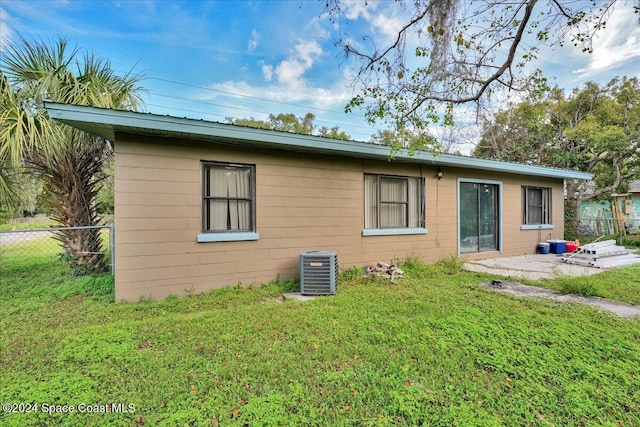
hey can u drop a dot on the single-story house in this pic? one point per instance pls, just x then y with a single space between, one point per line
200 204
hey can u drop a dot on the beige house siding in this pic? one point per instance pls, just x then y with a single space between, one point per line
303 202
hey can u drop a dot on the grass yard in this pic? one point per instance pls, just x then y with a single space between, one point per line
434 349
30 225
622 284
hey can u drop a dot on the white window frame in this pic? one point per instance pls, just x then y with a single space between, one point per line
375 229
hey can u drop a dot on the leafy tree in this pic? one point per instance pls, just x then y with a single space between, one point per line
250 122
288 122
452 52
594 129
518 134
67 160
404 139
333 132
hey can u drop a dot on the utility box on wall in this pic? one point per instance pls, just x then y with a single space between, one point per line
318 272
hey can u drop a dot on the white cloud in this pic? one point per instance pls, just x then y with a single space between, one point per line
356 8
253 41
267 71
385 21
308 51
289 72
617 44
325 97
6 33
332 96
387 25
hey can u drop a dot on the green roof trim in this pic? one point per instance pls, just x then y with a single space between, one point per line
107 122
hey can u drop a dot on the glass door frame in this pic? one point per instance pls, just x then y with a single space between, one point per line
499 220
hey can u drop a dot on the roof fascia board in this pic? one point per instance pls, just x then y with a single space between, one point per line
113 121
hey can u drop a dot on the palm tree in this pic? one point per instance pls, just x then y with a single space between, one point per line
67 160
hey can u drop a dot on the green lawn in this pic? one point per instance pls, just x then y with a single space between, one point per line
40 224
434 349
622 284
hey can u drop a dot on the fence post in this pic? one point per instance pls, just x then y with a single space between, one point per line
112 248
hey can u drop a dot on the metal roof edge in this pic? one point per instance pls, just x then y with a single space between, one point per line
106 122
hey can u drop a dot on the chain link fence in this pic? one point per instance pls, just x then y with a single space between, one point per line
40 245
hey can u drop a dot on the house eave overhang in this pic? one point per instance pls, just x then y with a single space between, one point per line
107 123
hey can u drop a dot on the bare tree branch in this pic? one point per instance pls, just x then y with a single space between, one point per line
464 52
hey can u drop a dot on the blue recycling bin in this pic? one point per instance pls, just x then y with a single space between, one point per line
557 246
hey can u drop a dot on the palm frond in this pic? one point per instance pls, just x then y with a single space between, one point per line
9 196
100 86
22 127
27 61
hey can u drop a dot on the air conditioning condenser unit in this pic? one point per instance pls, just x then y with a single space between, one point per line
318 272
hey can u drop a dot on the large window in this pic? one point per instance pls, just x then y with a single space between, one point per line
228 198
393 202
536 205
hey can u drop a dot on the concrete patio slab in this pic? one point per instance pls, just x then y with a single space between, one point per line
533 267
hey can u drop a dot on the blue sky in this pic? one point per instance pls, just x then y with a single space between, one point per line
215 59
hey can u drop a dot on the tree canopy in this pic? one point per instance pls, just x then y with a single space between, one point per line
593 129
452 52
288 122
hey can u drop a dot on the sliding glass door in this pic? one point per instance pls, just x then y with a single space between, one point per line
479 217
